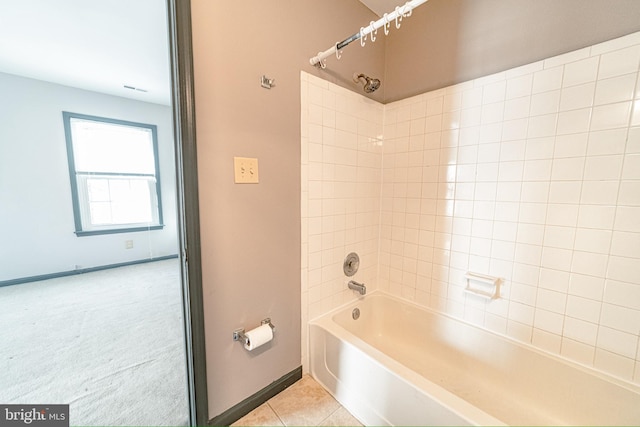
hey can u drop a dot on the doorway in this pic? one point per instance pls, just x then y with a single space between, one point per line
106 321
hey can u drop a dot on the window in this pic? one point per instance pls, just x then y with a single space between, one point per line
113 166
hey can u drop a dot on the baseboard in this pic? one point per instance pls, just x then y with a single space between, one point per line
238 411
80 271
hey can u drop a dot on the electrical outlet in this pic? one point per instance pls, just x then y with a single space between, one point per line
128 244
245 170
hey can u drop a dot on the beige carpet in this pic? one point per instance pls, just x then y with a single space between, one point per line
109 343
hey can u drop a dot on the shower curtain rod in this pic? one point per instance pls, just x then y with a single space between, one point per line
398 13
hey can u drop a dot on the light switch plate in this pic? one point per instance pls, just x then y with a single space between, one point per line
245 170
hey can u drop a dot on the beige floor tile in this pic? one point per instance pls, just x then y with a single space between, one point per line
263 415
305 403
341 417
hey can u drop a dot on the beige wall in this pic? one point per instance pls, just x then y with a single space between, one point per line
251 233
450 41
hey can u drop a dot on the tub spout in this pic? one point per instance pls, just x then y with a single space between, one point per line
360 287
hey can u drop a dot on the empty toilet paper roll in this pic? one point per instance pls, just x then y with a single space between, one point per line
258 336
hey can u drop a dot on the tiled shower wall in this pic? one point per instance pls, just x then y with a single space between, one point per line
531 175
340 204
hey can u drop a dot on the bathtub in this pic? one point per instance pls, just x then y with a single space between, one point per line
399 364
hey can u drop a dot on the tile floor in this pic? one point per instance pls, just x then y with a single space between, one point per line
305 403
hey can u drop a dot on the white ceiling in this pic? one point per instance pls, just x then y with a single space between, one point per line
380 7
89 44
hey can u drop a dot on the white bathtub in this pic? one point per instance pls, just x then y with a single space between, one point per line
399 364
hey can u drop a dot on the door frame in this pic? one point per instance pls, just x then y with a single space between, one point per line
184 128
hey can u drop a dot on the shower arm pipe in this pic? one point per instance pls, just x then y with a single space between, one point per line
390 17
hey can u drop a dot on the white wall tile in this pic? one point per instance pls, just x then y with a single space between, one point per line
574 121
514 129
626 219
576 97
546 80
556 259
528 254
568 169
629 193
565 192
562 215
548 321
452 102
625 244
593 240
581 331
574 350
583 309
607 142
593 216
599 192
615 89
619 62
586 286
519 331
519 86
589 263
551 300
618 342
559 236
517 108
622 294
611 116
620 318
547 341
580 72
603 168
571 145
540 126
472 98
539 148
537 170
494 92
492 113
623 269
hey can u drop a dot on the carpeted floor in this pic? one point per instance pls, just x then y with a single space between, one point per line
109 343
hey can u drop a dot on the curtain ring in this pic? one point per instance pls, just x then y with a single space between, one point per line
373 31
338 53
363 37
386 24
406 13
398 15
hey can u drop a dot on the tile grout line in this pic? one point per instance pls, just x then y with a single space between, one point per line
331 414
276 413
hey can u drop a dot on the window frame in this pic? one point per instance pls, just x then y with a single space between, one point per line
73 173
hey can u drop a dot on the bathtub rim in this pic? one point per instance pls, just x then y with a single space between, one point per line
470 413
327 318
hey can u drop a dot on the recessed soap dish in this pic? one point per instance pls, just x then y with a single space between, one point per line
482 285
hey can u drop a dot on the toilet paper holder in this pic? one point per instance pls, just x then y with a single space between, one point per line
238 334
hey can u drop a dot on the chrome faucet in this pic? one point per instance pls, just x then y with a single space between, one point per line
360 287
